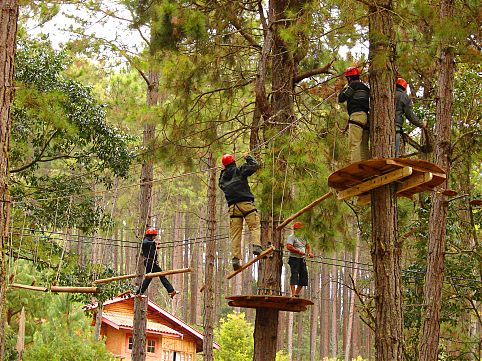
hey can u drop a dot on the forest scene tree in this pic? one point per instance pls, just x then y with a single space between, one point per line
114 119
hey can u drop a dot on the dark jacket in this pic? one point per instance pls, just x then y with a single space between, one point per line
404 107
234 181
357 96
149 248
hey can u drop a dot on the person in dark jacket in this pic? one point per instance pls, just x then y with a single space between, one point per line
357 96
403 108
234 183
149 252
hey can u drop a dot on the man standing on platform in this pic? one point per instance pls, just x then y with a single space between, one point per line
149 252
357 96
234 183
403 107
298 248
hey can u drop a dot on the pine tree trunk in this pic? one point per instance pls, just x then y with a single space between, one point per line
291 320
209 266
315 290
351 311
266 323
299 337
194 284
177 261
386 249
8 34
98 320
187 256
145 208
346 302
325 311
434 276
334 318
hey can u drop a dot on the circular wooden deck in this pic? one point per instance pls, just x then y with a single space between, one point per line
412 175
282 303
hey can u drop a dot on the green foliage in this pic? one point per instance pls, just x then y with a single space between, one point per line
61 143
65 334
235 337
55 324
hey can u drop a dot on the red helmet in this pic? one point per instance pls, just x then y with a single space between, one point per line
297 225
228 159
352 70
402 82
151 231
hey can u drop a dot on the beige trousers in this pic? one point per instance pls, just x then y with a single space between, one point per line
239 212
358 137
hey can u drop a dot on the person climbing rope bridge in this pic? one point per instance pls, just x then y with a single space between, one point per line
233 181
149 252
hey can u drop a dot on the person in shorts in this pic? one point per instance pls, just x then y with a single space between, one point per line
298 249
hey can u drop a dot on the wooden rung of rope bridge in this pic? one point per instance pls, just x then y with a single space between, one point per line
147 275
262 255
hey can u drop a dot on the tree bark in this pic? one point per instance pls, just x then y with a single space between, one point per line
209 266
348 350
282 70
8 34
334 318
290 335
434 276
386 250
145 215
177 261
325 312
98 320
315 290
194 284
299 337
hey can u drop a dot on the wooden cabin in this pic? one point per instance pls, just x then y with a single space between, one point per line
168 337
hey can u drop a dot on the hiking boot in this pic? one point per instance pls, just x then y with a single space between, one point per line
236 264
257 250
173 293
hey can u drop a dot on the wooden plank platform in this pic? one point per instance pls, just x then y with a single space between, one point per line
357 179
282 303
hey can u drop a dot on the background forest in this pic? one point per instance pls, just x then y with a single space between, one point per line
112 96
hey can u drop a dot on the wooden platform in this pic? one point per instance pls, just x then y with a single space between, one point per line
412 176
282 303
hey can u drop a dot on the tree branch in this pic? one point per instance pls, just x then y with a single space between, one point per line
247 36
37 158
322 70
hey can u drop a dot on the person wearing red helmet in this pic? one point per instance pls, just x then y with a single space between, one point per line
149 252
298 248
357 96
403 109
234 183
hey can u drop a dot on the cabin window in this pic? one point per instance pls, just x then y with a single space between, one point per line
151 346
130 342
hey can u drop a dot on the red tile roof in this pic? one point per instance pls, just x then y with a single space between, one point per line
125 321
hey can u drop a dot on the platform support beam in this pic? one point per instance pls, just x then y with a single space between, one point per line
304 209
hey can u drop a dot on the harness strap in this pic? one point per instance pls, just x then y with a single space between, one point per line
243 214
364 126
